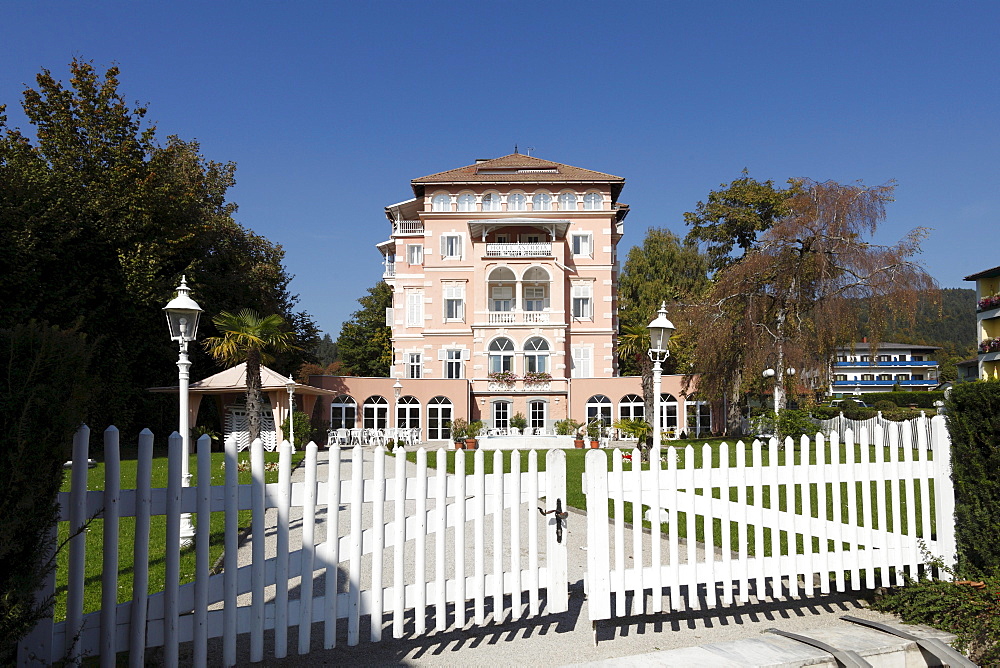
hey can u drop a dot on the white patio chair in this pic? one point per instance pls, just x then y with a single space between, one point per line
343 436
357 436
513 431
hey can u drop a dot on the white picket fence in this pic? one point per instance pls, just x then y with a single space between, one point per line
851 524
841 425
433 514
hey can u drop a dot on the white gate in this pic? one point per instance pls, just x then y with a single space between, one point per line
454 527
747 525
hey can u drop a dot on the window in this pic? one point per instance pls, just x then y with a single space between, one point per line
902 376
885 376
536 355
917 358
631 407
451 247
441 203
453 364
414 366
414 308
668 412
516 202
502 238
840 376
408 413
699 417
491 202
581 244
593 201
454 302
599 408
501 298
867 376
439 419
581 362
582 306
343 411
536 414
567 202
414 253
541 202
501 355
501 414
884 358
534 298
917 376
375 413
467 202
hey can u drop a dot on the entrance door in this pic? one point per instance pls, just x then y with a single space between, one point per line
439 419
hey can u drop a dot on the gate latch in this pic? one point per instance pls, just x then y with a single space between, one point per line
560 518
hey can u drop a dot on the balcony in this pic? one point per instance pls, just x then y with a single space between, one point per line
519 250
403 228
389 271
519 317
867 364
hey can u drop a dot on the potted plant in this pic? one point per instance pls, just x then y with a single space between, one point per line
459 430
519 422
594 433
536 377
505 377
567 427
471 432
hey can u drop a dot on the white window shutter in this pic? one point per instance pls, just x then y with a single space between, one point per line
388 317
466 354
442 354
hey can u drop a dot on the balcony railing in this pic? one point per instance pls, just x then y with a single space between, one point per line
390 271
519 386
519 250
411 227
519 317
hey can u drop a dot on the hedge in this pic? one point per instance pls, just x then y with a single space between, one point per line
974 425
902 399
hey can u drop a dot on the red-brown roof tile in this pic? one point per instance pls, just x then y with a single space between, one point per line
517 168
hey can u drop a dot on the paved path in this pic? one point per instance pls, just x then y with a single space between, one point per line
548 640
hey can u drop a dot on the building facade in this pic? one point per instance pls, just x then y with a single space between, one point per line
861 368
504 276
988 321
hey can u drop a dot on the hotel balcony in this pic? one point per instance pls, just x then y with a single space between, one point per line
407 228
543 249
519 317
866 364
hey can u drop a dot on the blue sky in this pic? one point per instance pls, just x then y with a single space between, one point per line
329 109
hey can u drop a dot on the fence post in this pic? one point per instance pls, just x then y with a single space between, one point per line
140 579
944 490
172 570
595 486
109 565
557 589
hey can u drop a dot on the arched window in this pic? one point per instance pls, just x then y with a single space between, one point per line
516 202
593 201
439 419
467 202
599 408
541 202
501 355
408 413
501 414
491 202
567 202
699 416
501 293
441 203
536 355
343 412
668 414
631 407
375 413
535 284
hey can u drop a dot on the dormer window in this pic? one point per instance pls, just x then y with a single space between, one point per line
491 202
541 202
516 202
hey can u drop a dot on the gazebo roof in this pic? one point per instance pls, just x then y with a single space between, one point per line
234 379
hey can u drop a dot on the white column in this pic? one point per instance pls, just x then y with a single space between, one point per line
657 401
184 376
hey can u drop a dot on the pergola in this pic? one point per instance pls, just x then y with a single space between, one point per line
228 385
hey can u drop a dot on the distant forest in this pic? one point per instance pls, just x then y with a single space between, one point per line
949 322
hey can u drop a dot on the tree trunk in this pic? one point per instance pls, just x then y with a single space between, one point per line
253 394
734 411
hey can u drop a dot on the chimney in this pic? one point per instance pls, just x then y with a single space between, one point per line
480 161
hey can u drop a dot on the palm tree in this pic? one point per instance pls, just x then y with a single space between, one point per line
247 337
633 342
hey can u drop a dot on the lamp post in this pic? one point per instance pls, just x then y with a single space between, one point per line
183 314
779 389
290 386
660 331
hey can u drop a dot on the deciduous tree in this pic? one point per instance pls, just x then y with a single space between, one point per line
365 342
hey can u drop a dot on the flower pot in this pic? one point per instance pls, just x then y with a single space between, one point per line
471 444
459 445
595 444
578 443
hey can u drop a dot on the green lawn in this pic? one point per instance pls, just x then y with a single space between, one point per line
157 533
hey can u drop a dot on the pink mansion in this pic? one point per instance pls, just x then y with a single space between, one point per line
504 276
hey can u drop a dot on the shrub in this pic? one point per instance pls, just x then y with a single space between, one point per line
566 427
919 399
303 429
885 405
42 403
974 424
825 412
795 423
518 421
459 429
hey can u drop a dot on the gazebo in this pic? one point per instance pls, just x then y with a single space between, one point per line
230 385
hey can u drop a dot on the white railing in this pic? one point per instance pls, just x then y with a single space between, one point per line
408 227
390 270
502 317
543 249
756 486
536 317
841 424
499 386
424 509
515 317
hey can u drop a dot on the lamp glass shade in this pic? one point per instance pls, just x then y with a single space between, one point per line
660 331
183 314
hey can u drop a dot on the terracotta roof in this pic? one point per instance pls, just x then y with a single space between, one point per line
517 168
988 273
